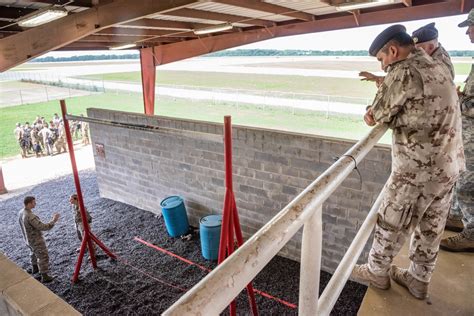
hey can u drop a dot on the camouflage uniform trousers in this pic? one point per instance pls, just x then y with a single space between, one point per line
409 208
39 255
79 230
60 145
463 199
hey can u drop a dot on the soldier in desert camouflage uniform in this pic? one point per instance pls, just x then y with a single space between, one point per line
463 204
418 101
31 228
60 142
78 217
426 37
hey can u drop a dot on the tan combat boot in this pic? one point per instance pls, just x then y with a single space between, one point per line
457 243
45 278
362 274
454 225
417 288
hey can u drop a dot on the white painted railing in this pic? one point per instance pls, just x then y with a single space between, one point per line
213 293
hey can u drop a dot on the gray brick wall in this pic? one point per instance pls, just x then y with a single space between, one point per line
270 168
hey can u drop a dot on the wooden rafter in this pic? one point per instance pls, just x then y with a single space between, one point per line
207 15
144 32
110 38
36 41
164 25
269 8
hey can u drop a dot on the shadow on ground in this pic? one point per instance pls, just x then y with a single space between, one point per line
141 281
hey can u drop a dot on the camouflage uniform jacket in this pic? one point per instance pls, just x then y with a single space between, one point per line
441 55
31 227
467 99
467 111
418 101
78 216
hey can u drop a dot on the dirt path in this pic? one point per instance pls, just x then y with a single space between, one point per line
19 173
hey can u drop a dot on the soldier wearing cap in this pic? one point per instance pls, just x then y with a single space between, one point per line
426 37
461 217
418 101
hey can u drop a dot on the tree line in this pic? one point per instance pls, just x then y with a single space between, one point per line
240 53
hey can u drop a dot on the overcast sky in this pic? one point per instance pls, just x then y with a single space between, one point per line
450 35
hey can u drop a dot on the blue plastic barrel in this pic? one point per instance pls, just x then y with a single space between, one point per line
174 213
210 233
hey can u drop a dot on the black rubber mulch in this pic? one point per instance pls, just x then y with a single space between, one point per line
135 284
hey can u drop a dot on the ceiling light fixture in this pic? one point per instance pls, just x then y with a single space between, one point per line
42 16
123 46
349 6
214 29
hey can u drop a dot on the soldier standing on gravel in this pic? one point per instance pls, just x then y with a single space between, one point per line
78 217
418 101
462 209
31 228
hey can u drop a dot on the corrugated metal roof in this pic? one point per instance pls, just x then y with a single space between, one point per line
193 20
308 6
230 9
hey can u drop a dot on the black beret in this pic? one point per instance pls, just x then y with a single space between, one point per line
384 37
425 33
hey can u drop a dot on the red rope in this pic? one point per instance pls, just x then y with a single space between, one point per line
146 243
264 294
150 276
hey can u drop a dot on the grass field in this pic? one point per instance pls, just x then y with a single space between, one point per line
295 84
300 121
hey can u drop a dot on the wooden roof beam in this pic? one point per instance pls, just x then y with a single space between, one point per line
144 32
19 48
164 25
269 8
207 15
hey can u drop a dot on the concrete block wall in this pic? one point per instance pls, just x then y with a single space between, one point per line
270 168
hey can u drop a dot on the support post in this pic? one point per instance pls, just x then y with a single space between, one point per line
148 70
3 189
88 238
230 217
311 264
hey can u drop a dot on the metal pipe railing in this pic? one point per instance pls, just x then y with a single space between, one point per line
213 293
334 288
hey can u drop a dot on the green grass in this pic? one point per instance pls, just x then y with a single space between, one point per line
294 84
343 126
462 69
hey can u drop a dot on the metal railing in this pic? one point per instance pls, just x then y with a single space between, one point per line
213 293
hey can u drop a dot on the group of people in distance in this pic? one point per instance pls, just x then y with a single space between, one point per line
43 138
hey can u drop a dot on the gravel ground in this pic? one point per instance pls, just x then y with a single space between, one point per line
143 281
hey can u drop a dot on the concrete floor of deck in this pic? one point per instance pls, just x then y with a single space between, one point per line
451 290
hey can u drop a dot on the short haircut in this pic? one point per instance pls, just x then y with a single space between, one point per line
401 40
28 200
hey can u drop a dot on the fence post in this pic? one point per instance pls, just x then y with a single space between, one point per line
3 189
311 247
327 111
21 97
